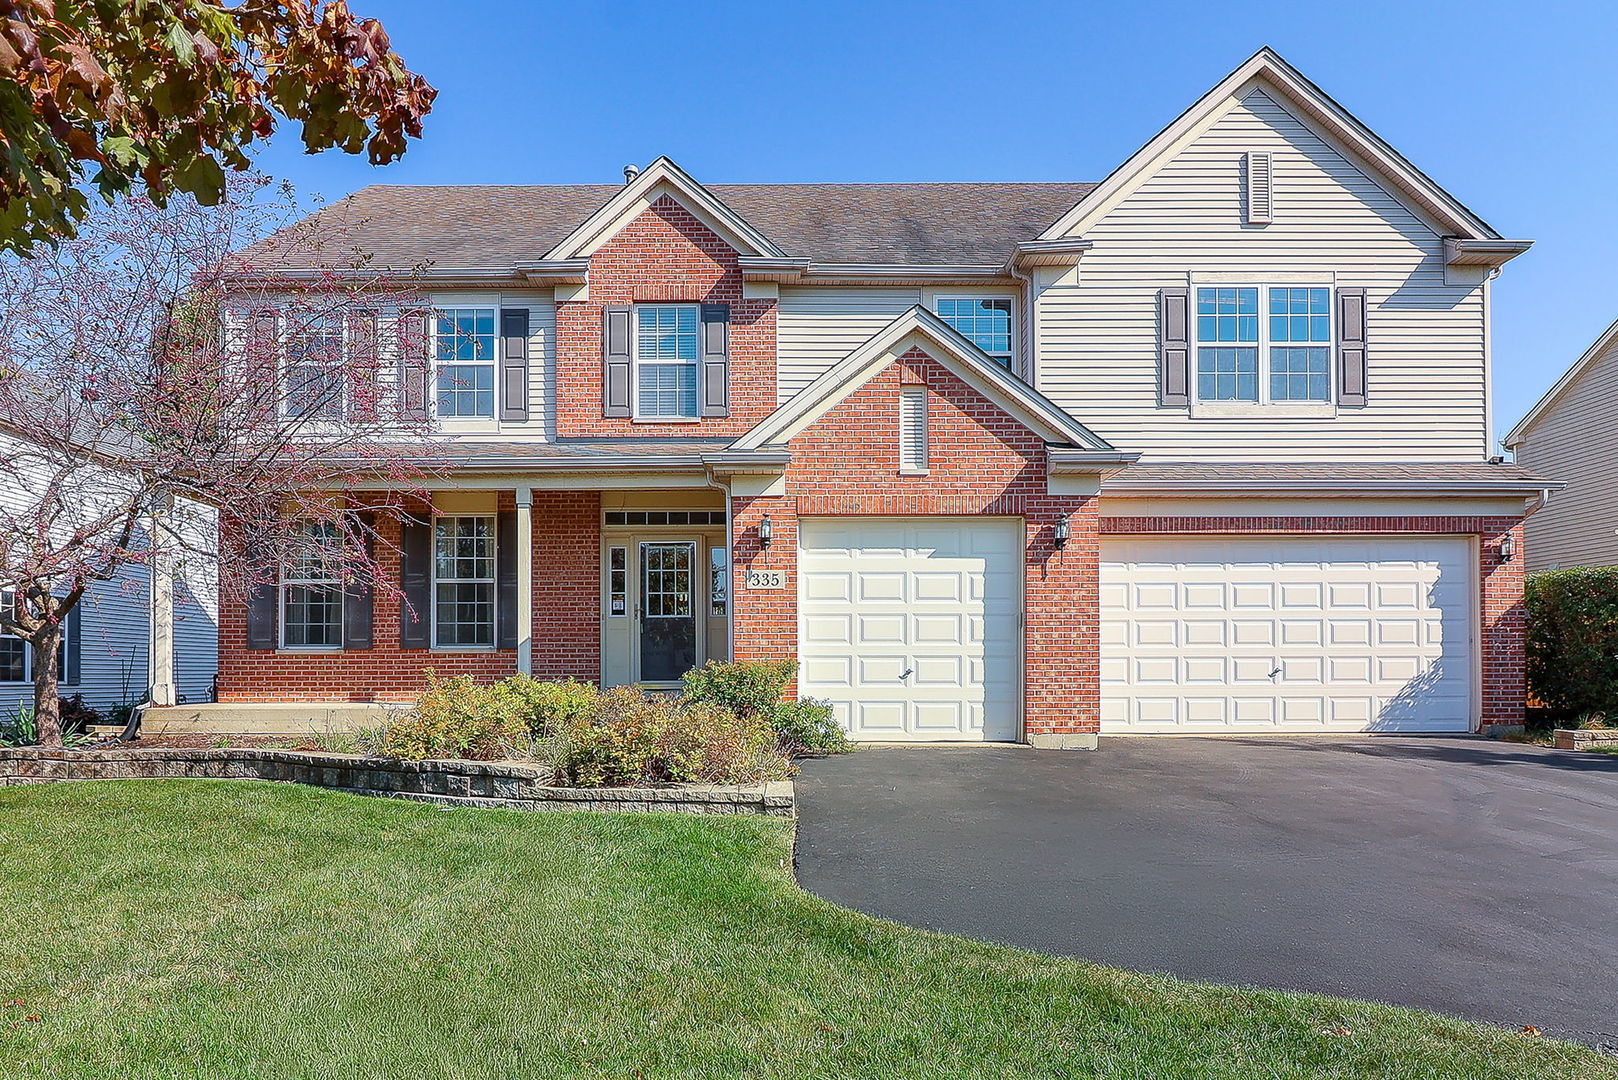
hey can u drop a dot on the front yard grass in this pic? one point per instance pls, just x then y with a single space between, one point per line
200 929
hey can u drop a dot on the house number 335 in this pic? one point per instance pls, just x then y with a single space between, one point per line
766 579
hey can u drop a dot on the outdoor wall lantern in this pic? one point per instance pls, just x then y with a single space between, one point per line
1061 531
765 531
1508 547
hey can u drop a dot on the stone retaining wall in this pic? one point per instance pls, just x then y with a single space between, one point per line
1584 738
455 783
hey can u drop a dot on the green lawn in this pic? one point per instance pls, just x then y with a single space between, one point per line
212 929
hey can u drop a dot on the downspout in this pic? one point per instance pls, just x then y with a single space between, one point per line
1028 335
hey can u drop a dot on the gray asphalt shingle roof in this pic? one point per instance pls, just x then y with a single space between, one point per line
496 226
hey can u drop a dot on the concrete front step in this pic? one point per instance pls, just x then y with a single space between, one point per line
269 718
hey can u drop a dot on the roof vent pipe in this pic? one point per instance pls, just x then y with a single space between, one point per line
630 172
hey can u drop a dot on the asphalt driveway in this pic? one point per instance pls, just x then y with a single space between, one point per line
1465 876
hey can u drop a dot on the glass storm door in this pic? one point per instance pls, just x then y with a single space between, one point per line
668 613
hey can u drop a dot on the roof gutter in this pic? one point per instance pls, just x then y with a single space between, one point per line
1341 488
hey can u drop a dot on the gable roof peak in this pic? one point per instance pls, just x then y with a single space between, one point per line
639 191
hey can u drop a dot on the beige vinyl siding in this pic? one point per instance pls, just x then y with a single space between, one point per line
816 326
1576 440
541 371
1097 352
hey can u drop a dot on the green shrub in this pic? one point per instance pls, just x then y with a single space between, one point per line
548 706
634 737
457 718
757 688
1573 639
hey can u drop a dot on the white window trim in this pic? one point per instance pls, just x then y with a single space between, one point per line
635 414
937 299
1265 406
285 321
465 423
907 395
493 581
287 581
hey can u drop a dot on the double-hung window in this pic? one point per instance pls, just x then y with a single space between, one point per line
1263 344
314 377
983 320
311 592
463 582
13 650
464 355
666 347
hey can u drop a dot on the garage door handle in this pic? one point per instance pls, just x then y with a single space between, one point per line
909 671
1274 673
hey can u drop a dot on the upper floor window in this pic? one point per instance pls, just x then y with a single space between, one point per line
314 382
311 595
1291 343
983 320
464 353
463 582
666 351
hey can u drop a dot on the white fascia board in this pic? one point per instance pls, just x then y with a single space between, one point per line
1267 68
601 225
946 345
1459 251
1517 434
1436 489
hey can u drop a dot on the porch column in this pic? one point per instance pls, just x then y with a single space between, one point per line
160 575
525 580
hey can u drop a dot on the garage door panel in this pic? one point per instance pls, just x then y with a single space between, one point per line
932 618
1309 634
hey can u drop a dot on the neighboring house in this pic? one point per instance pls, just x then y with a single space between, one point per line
1572 433
108 656
1200 448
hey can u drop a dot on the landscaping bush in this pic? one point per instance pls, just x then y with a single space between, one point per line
549 706
457 718
756 688
635 737
1573 640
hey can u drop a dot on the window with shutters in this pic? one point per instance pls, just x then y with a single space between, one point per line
1263 344
464 356
983 320
666 355
313 374
913 429
311 591
463 582
17 656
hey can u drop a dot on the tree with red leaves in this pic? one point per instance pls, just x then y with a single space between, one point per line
102 93
149 377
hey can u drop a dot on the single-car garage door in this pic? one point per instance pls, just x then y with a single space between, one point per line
1288 633
910 626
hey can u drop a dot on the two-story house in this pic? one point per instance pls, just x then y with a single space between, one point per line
1203 447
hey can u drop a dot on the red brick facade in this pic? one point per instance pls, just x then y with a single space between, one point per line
665 254
567 627
981 461
1503 616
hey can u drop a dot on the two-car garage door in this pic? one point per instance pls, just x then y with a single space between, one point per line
1286 634
912 627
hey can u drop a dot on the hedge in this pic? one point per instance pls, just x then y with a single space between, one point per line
1573 639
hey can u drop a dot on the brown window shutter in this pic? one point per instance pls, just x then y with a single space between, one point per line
263 602
362 366
1174 347
514 364
263 344
72 654
357 594
415 583
617 361
505 579
1351 346
714 359
413 366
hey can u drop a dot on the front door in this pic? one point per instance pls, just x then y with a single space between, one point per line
668 612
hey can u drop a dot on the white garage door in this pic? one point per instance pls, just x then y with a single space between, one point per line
910 626
1295 633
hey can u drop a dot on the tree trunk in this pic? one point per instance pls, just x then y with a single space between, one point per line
47 705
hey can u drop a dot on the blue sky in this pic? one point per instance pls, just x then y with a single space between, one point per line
1509 106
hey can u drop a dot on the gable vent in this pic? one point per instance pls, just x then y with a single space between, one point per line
913 429
1260 188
